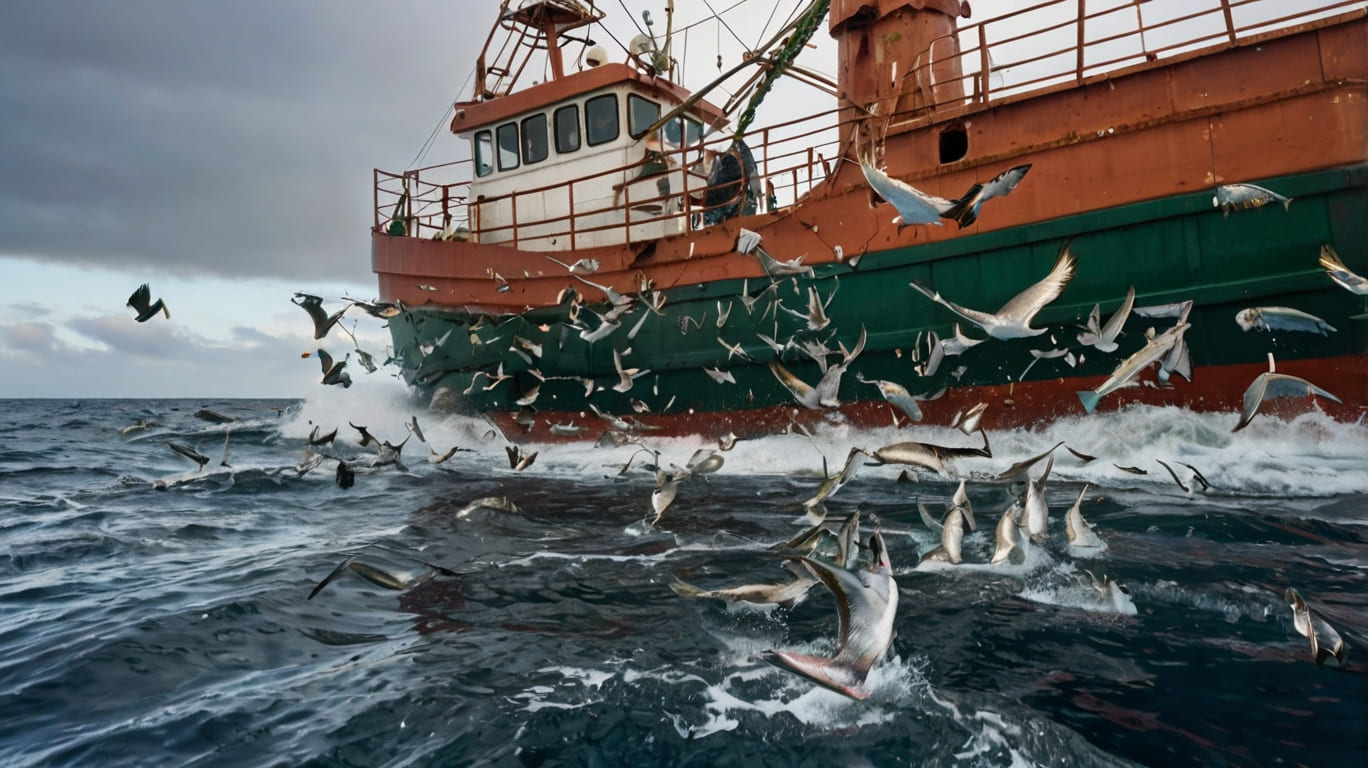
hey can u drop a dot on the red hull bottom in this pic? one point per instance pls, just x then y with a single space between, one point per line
1028 404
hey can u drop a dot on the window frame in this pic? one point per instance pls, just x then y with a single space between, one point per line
483 149
527 157
503 152
589 138
574 110
633 100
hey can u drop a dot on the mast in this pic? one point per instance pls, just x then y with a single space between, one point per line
892 55
536 25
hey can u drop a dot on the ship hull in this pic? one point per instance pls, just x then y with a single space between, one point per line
535 374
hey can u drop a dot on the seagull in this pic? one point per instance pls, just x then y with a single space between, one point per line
1013 321
965 210
141 302
1231 196
897 396
1269 385
1327 647
1103 338
913 205
323 322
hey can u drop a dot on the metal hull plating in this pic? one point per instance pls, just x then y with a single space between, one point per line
1171 250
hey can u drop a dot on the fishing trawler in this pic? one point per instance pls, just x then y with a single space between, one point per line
621 254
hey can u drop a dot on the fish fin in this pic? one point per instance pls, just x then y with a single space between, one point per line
685 589
338 571
1089 400
827 673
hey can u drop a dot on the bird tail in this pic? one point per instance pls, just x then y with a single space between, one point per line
962 210
1089 399
166 311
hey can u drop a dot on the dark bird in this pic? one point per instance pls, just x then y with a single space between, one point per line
346 478
141 302
366 437
323 322
332 370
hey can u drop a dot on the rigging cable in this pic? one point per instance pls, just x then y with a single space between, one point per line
432 137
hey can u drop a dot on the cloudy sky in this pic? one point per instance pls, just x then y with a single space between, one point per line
222 152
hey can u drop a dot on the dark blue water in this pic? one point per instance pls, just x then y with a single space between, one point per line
150 627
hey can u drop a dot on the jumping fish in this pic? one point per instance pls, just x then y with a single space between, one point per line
1282 319
927 455
961 501
189 453
1007 537
786 594
1153 351
1081 533
1231 196
897 396
952 538
866 605
834 483
1036 511
1327 647
1269 385
1342 275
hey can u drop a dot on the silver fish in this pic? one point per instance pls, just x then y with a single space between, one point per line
1282 319
952 538
961 501
189 453
1080 531
1232 196
1342 275
1007 537
785 594
1036 511
1327 647
866 605
1154 350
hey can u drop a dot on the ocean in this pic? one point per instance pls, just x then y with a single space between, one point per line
154 613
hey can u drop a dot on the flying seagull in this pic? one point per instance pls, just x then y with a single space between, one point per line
142 303
913 205
1013 321
1269 385
323 322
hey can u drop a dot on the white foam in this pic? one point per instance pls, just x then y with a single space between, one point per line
1310 455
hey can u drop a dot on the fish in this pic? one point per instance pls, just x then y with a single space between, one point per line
965 210
189 453
667 488
897 396
785 594
1013 320
927 455
1081 533
1007 537
835 482
1269 385
969 421
1154 350
1035 511
1196 476
960 500
494 503
1232 196
1103 338
213 416
866 606
1327 647
1282 319
952 538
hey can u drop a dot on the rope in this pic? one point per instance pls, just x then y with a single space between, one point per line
802 32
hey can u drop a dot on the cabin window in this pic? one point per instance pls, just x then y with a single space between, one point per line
484 153
567 129
682 132
954 144
507 135
535 147
601 113
641 113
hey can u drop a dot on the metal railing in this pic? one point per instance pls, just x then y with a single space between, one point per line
1069 41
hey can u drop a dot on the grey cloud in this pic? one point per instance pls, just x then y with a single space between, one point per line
234 139
38 339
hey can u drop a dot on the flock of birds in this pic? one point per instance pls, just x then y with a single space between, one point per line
856 570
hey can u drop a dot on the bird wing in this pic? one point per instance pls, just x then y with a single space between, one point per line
1253 398
912 204
325 359
981 319
800 389
1024 306
141 298
1114 323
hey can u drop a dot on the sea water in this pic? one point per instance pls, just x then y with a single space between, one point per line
155 613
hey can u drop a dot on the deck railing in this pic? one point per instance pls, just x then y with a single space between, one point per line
1066 43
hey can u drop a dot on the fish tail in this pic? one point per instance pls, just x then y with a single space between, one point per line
1287 203
685 589
962 211
1089 400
